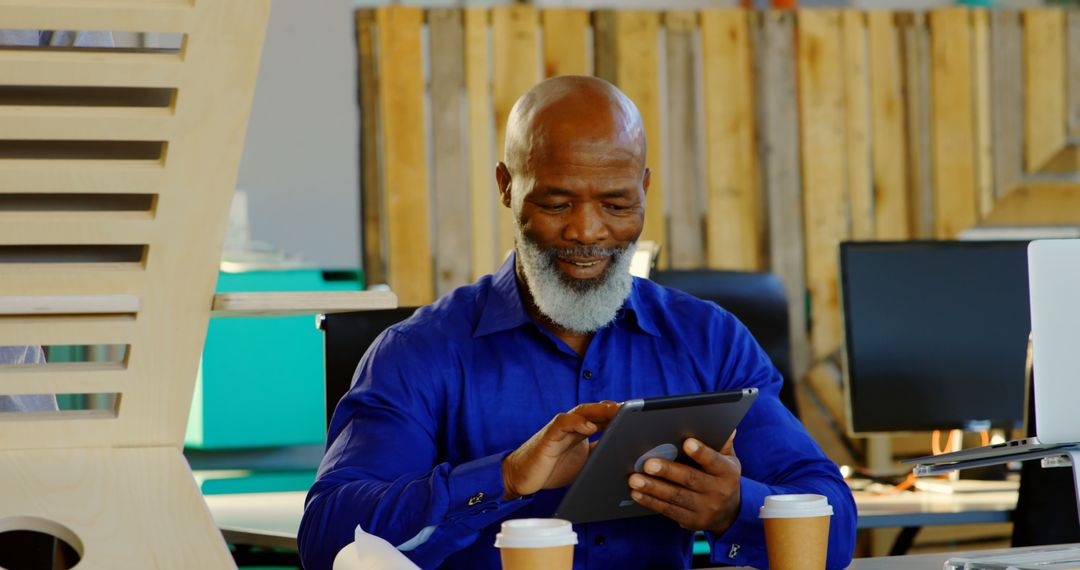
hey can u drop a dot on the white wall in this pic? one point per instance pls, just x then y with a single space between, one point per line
300 161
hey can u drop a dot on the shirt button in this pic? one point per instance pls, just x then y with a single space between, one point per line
475 499
599 540
587 374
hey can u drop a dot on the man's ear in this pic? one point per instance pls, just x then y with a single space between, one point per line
646 179
502 177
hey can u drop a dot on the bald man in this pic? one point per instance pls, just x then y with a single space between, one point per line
479 408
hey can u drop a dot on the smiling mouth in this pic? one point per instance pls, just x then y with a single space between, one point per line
583 263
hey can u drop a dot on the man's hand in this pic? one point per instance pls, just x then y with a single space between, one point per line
698 499
552 457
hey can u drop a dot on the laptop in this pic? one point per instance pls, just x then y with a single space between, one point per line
1054 279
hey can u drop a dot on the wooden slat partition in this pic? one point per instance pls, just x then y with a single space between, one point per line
405 180
734 234
772 136
627 54
370 195
821 100
687 233
566 42
450 182
954 125
515 42
1044 67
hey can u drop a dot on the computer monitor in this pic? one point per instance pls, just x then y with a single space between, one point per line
935 334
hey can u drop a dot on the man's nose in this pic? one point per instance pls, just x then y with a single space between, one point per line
585 226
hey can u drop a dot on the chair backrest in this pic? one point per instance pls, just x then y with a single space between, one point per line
756 299
346 337
116 172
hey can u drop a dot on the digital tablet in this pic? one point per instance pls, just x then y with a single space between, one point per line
652 427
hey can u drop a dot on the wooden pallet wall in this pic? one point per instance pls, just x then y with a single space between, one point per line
773 136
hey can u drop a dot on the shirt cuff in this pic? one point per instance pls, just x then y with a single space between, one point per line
743 543
476 493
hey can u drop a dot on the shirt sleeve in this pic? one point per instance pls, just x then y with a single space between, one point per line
384 470
782 458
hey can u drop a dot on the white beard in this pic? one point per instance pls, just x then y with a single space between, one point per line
578 305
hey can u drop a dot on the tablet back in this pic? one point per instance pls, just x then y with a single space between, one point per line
642 429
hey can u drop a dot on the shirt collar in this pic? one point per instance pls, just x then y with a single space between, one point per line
504 309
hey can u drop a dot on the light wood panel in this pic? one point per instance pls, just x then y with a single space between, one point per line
734 232
284 304
43 228
20 122
482 190
370 194
69 304
405 190
984 151
121 16
627 54
83 176
1044 77
915 42
90 69
1073 72
103 378
1006 99
780 167
566 42
857 124
953 122
821 99
453 241
687 244
514 29
1037 204
892 210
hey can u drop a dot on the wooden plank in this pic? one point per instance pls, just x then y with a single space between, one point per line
482 189
1006 99
291 303
915 50
857 124
627 54
401 115
64 378
776 88
77 176
1039 204
1073 73
734 229
69 304
371 202
821 100
514 28
566 42
89 124
174 17
67 330
953 122
42 228
892 209
984 151
687 247
1044 65
85 68
453 266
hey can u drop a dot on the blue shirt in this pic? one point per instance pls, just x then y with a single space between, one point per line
415 448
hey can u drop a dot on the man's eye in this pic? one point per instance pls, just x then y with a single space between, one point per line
616 207
555 207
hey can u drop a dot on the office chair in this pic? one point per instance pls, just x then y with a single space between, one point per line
756 299
346 337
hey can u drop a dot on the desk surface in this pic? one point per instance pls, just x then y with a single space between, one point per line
271 519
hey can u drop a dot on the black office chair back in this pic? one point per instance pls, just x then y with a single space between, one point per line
346 337
757 299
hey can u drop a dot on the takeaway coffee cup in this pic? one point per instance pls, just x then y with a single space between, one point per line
796 531
536 544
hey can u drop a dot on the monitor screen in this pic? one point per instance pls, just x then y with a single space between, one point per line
936 334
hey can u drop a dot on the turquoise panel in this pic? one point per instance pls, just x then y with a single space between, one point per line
261 382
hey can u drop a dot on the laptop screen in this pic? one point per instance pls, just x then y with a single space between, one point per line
935 334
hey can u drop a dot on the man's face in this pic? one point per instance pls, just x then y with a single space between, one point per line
580 201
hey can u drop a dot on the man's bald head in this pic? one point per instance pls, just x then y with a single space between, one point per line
571 111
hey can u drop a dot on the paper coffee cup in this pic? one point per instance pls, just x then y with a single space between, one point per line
796 531
536 544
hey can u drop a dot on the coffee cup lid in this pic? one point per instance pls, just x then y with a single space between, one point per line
535 533
795 507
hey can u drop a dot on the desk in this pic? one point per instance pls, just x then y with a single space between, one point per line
921 561
271 519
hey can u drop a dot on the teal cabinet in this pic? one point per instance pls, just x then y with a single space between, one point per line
261 383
